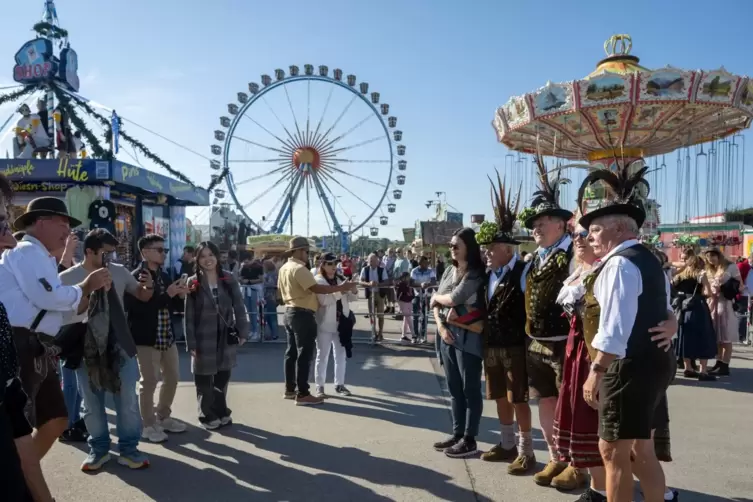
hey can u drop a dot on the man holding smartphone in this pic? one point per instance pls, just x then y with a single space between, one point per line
155 339
99 246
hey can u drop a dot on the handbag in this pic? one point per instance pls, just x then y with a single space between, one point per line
730 289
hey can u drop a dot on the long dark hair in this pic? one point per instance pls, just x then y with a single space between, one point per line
472 250
212 249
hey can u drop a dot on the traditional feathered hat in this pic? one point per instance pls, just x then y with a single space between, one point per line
546 199
623 194
501 230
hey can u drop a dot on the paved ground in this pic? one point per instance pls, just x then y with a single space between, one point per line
375 446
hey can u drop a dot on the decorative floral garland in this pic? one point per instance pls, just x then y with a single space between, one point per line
96 146
48 30
97 149
14 96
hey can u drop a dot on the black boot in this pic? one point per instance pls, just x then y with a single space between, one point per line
723 370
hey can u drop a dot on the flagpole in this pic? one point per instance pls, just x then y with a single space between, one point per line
50 16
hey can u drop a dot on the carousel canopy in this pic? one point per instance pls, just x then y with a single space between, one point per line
626 109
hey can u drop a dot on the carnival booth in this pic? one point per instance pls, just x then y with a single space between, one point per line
127 200
52 144
273 245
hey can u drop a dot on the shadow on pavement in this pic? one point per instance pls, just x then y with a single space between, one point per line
740 380
355 463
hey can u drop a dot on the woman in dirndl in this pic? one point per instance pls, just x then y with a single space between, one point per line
575 422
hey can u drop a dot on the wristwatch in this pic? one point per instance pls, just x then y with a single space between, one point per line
598 368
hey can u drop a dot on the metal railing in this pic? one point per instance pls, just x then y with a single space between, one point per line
263 328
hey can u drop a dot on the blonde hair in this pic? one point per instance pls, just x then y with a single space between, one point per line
691 270
721 267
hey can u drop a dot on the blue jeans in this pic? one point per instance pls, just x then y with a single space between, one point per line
270 317
71 395
463 373
127 416
251 297
178 328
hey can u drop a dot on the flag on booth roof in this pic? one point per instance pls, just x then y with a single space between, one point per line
115 132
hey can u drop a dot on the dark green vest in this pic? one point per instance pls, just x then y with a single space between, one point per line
544 317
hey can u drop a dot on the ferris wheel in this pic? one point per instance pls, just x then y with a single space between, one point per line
310 149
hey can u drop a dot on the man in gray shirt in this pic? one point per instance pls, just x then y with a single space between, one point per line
99 245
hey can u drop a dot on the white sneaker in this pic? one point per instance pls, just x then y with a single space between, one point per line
320 391
169 424
214 424
153 434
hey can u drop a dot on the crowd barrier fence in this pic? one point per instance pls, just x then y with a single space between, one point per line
388 307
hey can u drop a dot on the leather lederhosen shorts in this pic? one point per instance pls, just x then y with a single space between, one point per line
633 396
506 374
39 379
545 364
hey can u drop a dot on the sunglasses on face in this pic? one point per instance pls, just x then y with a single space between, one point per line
583 234
329 263
159 250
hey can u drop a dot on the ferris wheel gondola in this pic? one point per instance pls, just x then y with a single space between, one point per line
274 165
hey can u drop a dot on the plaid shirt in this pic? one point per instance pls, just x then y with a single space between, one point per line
165 337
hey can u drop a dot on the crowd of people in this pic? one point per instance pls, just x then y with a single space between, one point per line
585 325
593 325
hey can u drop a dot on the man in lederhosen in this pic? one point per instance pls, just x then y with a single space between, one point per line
630 373
36 301
546 324
505 335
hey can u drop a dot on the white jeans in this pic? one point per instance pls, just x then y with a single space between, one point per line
324 342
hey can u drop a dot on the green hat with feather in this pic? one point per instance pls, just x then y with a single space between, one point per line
505 209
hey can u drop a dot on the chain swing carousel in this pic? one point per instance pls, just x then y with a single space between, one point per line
624 113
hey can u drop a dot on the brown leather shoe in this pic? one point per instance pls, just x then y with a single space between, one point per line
551 471
522 465
499 454
308 400
570 479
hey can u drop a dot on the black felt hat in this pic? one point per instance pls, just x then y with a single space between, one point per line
44 206
546 199
623 194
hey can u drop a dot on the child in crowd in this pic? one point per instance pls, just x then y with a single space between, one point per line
405 297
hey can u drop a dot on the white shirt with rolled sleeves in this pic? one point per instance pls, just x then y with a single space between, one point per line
30 283
617 289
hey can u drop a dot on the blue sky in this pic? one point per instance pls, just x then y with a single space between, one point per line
443 66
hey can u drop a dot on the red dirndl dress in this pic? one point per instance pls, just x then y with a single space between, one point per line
576 425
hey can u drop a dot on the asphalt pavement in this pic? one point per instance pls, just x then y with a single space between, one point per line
376 444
